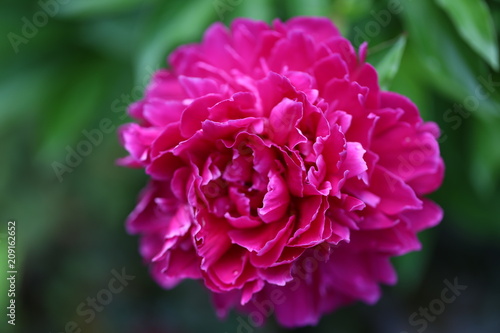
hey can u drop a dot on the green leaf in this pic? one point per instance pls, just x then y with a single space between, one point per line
170 28
308 7
32 83
474 23
353 9
257 9
412 267
408 83
388 66
444 60
72 113
90 8
485 151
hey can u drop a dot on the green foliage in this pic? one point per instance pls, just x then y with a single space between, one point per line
474 23
170 27
388 66
445 60
92 8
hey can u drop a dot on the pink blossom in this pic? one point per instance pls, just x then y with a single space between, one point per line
279 168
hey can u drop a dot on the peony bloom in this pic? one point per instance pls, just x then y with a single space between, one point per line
281 175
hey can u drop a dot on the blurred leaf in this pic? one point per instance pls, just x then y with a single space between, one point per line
171 27
485 150
474 23
388 66
308 8
407 82
353 8
33 85
83 8
73 112
477 216
256 9
346 12
116 38
412 267
445 61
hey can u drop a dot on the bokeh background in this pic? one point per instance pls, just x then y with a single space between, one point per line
83 61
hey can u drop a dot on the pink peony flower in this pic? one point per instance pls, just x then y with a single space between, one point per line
281 175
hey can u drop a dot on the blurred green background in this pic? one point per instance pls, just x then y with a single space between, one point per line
66 66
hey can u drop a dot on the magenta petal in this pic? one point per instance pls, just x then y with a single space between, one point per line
183 264
161 113
272 90
278 275
397 101
309 209
196 87
367 77
339 232
276 199
168 139
412 153
352 204
395 241
354 162
239 169
243 222
395 195
272 250
241 201
216 130
249 289
333 149
217 46
374 219
318 27
301 307
382 269
137 140
352 274
294 175
330 67
283 120
157 208
429 216
180 182
241 105
302 48
343 47
301 81
163 166
223 302
211 241
230 266
248 38
164 85
428 183
167 282
155 245
179 223
263 238
196 113
256 238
